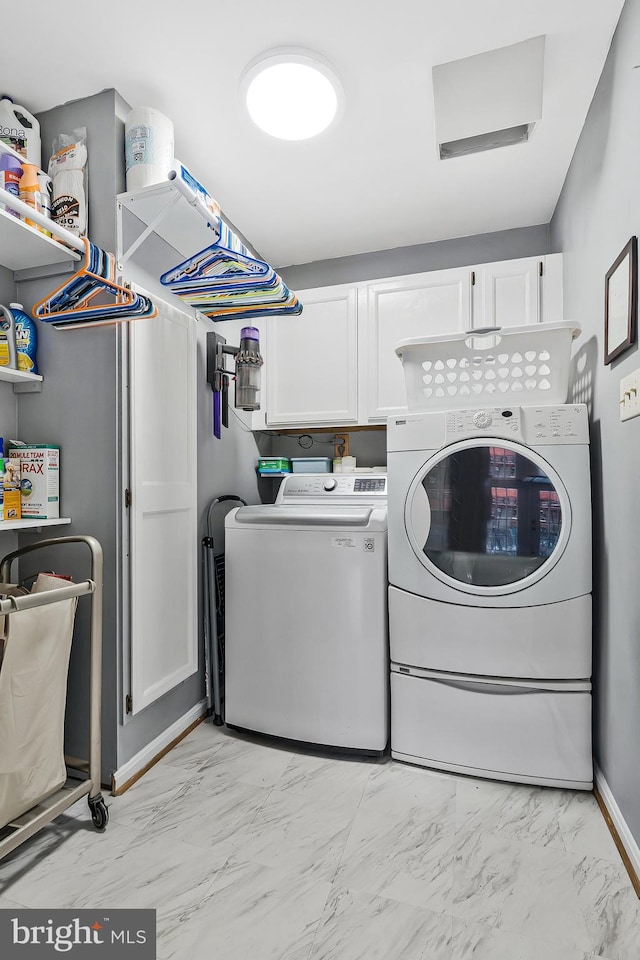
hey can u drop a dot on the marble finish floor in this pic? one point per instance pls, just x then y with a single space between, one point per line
253 852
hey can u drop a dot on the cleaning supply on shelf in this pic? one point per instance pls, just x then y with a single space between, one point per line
8 357
20 130
1 478
30 190
11 484
10 174
39 469
26 339
46 190
68 171
148 137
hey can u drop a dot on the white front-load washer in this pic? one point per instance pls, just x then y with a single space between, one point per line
306 638
489 598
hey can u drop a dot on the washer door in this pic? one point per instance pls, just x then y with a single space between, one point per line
487 517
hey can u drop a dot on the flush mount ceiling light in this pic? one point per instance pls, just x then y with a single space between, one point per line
291 94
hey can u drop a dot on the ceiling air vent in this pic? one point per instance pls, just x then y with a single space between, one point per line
489 100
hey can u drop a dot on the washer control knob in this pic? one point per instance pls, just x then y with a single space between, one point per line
330 484
482 419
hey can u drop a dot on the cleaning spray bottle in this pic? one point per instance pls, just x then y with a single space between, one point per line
30 190
26 339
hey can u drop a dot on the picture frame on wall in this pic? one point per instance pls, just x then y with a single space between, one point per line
621 302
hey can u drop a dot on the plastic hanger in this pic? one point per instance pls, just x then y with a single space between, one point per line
73 300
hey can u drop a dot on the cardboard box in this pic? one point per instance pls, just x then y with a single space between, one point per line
39 480
11 485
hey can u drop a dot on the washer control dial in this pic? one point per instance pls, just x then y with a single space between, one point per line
330 484
482 419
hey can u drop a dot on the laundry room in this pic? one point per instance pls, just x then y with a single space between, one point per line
319 399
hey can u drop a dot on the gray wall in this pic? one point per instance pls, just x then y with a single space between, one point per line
78 410
598 210
8 406
483 248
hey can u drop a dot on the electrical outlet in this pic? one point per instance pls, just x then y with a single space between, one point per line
630 396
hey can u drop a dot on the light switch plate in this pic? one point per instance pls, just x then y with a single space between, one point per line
630 396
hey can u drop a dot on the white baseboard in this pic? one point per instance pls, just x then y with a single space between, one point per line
149 753
628 840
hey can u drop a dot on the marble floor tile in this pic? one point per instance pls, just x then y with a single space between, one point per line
542 896
484 871
356 926
402 855
299 835
10 905
610 907
252 912
62 862
146 798
512 810
319 778
474 941
208 810
151 872
395 786
234 757
584 829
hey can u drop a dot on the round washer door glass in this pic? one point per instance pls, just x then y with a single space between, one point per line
493 515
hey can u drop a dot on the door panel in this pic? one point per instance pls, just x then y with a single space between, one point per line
312 364
164 649
509 292
419 306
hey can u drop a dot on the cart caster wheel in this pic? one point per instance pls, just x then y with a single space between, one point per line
99 812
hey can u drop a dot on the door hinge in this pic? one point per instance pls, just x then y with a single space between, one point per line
473 278
541 268
128 499
128 703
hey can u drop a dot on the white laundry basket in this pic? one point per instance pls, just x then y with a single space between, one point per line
490 366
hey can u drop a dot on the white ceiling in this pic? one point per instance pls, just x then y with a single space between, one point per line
374 180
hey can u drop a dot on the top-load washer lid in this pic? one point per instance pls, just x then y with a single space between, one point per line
307 515
488 516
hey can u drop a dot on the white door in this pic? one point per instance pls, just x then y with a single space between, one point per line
312 366
422 305
163 534
507 294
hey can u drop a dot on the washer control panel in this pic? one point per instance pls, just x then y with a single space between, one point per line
332 486
531 425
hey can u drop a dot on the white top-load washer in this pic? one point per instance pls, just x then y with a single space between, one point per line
306 654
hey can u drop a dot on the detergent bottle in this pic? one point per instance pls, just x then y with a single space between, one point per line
20 130
26 339
30 190
7 338
10 174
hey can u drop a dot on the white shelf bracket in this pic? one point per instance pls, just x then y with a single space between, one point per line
125 255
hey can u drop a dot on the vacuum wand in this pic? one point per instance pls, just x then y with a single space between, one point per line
248 362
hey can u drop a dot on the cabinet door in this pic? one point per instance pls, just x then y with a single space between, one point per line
423 305
507 294
312 364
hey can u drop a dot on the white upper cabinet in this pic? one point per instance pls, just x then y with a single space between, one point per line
507 294
318 373
421 305
516 292
312 360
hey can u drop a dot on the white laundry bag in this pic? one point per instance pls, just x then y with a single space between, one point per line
33 690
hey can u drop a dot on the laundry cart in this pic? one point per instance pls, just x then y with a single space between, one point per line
37 782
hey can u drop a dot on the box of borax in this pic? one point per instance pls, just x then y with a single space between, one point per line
39 480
